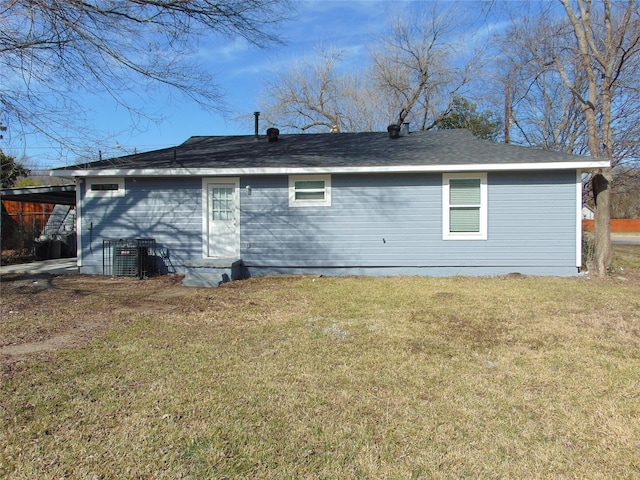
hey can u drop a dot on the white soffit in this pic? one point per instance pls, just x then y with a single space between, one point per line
188 172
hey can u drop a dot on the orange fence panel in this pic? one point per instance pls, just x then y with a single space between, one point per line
618 225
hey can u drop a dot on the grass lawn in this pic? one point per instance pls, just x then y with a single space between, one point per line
316 377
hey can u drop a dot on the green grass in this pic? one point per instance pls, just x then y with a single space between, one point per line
303 377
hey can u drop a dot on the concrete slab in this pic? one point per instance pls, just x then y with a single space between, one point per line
59 266
211 272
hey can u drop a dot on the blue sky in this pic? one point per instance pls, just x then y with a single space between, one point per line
241 71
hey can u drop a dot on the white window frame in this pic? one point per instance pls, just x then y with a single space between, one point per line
120 192
446 207
320 202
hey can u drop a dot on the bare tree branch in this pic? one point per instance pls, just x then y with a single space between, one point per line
414 74
581 77
124 49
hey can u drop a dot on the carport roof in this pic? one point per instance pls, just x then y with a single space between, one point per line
55 194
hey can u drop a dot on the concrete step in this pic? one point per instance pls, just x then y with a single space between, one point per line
211 273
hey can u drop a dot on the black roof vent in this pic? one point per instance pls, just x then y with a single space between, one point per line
272 134
394 131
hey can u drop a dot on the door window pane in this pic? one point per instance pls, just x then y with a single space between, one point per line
221 203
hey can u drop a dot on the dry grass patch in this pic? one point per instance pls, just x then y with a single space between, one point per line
333 378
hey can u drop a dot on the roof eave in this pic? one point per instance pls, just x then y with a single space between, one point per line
239 171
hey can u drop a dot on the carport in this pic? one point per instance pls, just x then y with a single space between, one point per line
55 194
54 237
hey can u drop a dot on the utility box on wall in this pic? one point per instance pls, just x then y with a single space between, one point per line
128 257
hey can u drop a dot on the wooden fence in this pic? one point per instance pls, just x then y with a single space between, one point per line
22 222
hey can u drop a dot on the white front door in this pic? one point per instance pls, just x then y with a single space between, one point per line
222 223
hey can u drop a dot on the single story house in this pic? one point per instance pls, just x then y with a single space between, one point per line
421 203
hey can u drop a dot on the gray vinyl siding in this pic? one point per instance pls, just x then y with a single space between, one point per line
370 222
379 221
166 209
376 224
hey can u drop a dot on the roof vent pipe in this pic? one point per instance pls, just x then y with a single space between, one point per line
256 115
393 131
404 130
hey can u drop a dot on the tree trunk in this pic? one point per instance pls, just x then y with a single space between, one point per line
601 184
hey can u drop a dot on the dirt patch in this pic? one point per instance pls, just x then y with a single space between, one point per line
41 313
53 343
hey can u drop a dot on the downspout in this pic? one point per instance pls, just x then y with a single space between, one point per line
579 233
79 183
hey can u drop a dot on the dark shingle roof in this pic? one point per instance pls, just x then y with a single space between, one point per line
443 147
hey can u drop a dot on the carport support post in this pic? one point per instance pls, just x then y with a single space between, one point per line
21 224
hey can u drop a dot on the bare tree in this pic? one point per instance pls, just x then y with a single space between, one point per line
50 50
577 82
321 95
625 192
415 73
306 96
605 44
541 110
417 67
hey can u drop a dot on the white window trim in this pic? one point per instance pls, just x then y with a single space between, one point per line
446 208
324 202
120 192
